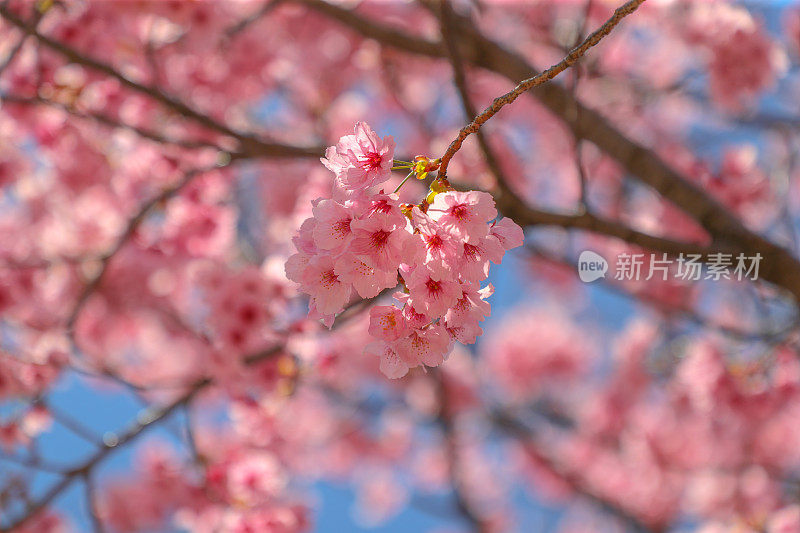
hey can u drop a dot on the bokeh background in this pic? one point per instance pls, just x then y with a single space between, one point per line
156 156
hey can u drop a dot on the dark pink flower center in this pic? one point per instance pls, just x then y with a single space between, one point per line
433 242
433 286
342 226
379 238
380 206
371 161
248 314
471 252
329 278
461 212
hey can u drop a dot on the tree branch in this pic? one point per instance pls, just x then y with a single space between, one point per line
445 420
129 231
127 437
527 438
250 145
501 101
107 121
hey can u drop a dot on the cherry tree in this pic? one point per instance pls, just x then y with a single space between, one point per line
317 242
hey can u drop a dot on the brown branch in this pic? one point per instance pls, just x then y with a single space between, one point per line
527 437
685 312
34 463
250 145
91 504
129 231
446 421
501 101
583 181
107 121
73 425
35 21
460 78
243 24
524 215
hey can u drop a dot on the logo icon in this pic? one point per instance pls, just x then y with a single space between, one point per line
591 266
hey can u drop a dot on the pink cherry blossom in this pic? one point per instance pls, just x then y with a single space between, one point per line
328 292
428 346
464 214
474 257
366 280
378 244
391 364
441 249
471 308
507 232
432 292
332 228
361 160
386 322
255 478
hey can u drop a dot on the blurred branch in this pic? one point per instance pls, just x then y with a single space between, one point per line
35 20
250 145
446 421
252 18
527 438
91 505
573 87
34 463
772 336
107 121
129 231
459 76
501 101
71 424
524 215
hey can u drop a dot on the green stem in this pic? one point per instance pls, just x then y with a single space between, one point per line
404 181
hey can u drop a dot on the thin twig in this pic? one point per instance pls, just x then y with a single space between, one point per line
578 141
108 121
252 18
527 437
501 101
71 424
91 505
129 231
460 78
453 452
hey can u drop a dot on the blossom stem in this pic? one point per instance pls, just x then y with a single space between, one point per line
404 181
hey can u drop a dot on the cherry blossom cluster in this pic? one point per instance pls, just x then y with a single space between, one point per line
743 60
365 240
